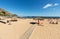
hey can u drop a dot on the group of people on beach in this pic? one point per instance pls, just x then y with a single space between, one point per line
53 21
50 21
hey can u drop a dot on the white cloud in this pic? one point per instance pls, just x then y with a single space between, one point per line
50 5
56 4
47 5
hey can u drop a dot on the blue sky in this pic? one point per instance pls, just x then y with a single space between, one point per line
32 7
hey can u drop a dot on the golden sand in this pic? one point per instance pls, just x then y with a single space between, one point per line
22 29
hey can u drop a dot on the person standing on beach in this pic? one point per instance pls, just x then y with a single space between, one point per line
40 22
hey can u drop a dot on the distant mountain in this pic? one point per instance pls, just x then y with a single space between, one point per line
6 13
40 17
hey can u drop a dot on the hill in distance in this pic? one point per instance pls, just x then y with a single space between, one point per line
6 13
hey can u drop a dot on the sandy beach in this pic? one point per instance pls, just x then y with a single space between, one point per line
22 29
29 19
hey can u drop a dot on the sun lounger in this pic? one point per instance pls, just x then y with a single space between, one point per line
33 22
3 22
13 20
